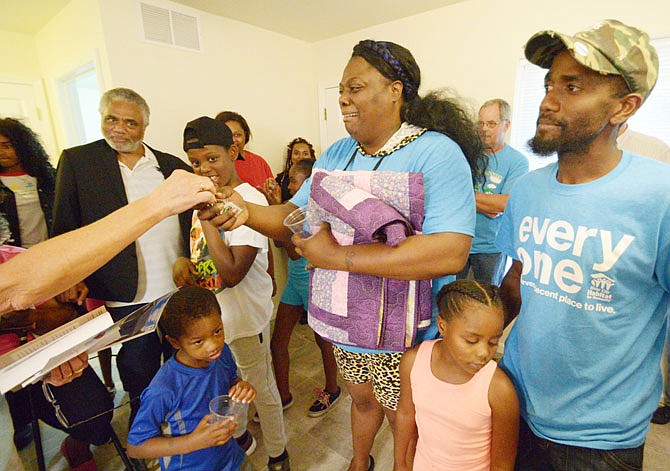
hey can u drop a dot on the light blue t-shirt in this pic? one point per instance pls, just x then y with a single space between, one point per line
449 204
175 402
584 353
502 172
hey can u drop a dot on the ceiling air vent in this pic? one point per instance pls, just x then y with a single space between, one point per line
170 27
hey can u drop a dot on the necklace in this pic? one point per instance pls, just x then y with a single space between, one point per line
404 135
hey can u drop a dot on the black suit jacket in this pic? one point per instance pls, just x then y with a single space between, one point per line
89 187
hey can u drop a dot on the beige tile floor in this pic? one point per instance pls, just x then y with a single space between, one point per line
314 444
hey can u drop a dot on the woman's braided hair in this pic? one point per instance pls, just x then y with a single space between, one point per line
289 151
452 300
410 78
437 111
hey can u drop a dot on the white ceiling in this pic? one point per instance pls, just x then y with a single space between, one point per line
308 20
28 16
314 20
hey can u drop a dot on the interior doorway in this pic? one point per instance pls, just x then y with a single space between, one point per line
331 125
80 96
24 99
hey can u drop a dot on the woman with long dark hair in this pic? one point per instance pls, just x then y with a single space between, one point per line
27 184
276 189
427 151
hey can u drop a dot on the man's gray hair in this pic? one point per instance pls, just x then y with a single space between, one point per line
503 107
125 94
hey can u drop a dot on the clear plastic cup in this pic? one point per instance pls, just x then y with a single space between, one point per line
297 222
224 408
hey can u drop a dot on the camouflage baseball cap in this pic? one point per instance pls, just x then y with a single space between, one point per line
610 47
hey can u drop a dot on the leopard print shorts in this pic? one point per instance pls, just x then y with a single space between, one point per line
382 369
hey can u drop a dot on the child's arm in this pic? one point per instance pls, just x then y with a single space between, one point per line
504 421
290 248
232 263
405 432
205 435
242 391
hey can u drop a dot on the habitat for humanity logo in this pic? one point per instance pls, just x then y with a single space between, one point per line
600 287
573 271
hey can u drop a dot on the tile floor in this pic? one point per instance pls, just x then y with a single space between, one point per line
314 444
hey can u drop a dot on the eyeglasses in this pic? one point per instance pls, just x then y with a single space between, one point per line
488 124
63 420
49 395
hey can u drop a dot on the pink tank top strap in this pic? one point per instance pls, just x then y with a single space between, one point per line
422 360
482 380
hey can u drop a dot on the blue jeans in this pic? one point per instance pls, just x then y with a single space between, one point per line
537 454
484 267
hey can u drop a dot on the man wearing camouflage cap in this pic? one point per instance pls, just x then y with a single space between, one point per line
590 239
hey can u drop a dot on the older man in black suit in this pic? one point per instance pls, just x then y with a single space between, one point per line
96 179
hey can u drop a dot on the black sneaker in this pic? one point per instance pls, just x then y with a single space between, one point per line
661 415
324 401
280 463
247 442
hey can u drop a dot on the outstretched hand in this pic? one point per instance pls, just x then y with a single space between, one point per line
182 191
225 220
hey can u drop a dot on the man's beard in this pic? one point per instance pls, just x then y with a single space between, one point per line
566 142
126 147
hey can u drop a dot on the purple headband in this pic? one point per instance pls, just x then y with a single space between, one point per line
380 48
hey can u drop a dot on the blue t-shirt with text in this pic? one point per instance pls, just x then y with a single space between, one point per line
585 350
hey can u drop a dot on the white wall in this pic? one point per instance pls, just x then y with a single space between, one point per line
474 47
70 40
18 55
266 77
19 64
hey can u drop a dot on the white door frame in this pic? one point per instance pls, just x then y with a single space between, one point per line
326 140
46 129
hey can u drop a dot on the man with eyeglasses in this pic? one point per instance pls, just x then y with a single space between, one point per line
98 178
505 166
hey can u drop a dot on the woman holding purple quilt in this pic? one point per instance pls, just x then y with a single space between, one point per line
391 209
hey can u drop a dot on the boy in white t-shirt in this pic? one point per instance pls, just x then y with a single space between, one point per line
233 264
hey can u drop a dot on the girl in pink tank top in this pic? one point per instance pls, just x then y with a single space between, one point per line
457 409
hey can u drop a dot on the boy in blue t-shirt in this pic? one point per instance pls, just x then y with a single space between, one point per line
173 422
